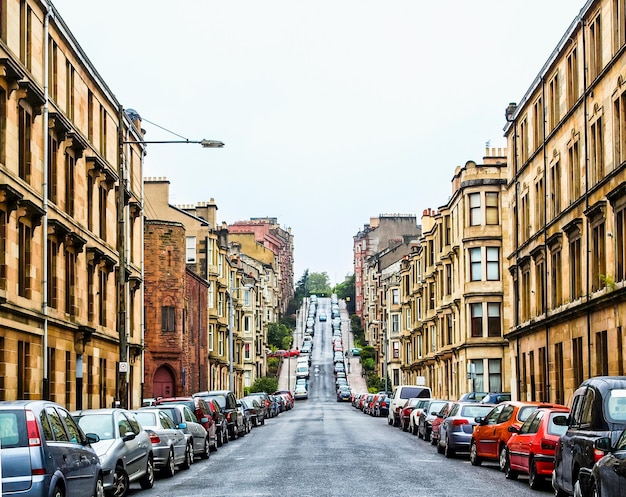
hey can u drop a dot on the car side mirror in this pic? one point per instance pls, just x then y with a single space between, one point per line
513 429
182 426
128 436
603 444
92 438
204 420
479 420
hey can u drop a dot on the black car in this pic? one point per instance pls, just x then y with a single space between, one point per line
598 410
256 412
608 476
228 403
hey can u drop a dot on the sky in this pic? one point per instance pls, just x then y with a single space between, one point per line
332 112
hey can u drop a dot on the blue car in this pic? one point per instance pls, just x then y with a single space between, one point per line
45 453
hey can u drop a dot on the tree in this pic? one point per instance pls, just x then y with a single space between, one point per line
276 333
319 284
346 290
264 384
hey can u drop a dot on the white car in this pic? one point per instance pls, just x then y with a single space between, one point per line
300 392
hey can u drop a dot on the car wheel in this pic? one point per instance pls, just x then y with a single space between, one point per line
263 421
389 420
206 452
148 479
447 450
474 459
594 490
58 492
504 457
509 473
98 491
188 457
120 482
534 479
427 435
226 436
405 426
169 469
419 433
439 447
232 434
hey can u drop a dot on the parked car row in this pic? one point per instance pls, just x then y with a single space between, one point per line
50 451
579 451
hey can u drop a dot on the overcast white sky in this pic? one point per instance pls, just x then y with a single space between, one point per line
332 112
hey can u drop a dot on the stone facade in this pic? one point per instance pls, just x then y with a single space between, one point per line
65 304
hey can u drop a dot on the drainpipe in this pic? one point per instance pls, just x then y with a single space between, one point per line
544 275
44 225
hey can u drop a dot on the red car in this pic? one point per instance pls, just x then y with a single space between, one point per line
530 450
405 412
441 415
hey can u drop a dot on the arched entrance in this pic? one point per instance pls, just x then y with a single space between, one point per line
163 383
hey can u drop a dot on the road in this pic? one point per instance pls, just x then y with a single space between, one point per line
323 448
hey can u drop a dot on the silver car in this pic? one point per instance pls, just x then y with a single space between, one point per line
169 443
124 448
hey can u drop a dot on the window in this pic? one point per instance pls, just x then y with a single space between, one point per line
575 269
525 218
69 87
558 373
573 156
476 316
474 208
538 119
523 143
525 295
448 269
620 244
619 25
493 264
554 101
24 260
24 140
395 323
492 208
433 338
577 360
53 283
431 296
102 211
395 296
220 304
168 318
53 149
556 297
596 151
70 186
211 336
572 78
598 256
494 324
396 350
619 129
495 375
555 180
246 325
602 354
220 343
70 282
246 351
26 35
419 346
540 203
595 47
191 249
475 264
540 268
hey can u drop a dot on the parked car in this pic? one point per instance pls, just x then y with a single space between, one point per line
400 395
416 413
492 432
495 397
436 423
247 419
381 407
598 410
221 423
608 475
455 431
301 392
228 403
274 406
343 394
201 411
170 445
38 439
424 424
288 396
264 401
124 448
257 412
405 412
530 449
186 420
473 397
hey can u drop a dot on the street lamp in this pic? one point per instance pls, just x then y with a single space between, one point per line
231 343
134 117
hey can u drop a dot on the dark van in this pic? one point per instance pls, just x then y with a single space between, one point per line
598 410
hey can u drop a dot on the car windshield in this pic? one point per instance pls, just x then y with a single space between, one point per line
100 424
146 418
189 403
525 411
616 405
436 406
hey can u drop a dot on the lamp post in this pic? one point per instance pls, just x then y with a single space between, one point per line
133 117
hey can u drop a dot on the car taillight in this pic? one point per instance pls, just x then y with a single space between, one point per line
154 438
550 445
34 439
383 404
598 454
459 422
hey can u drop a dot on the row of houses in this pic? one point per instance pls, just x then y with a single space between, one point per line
517 283
109 294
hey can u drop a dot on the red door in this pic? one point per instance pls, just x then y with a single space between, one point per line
163 384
